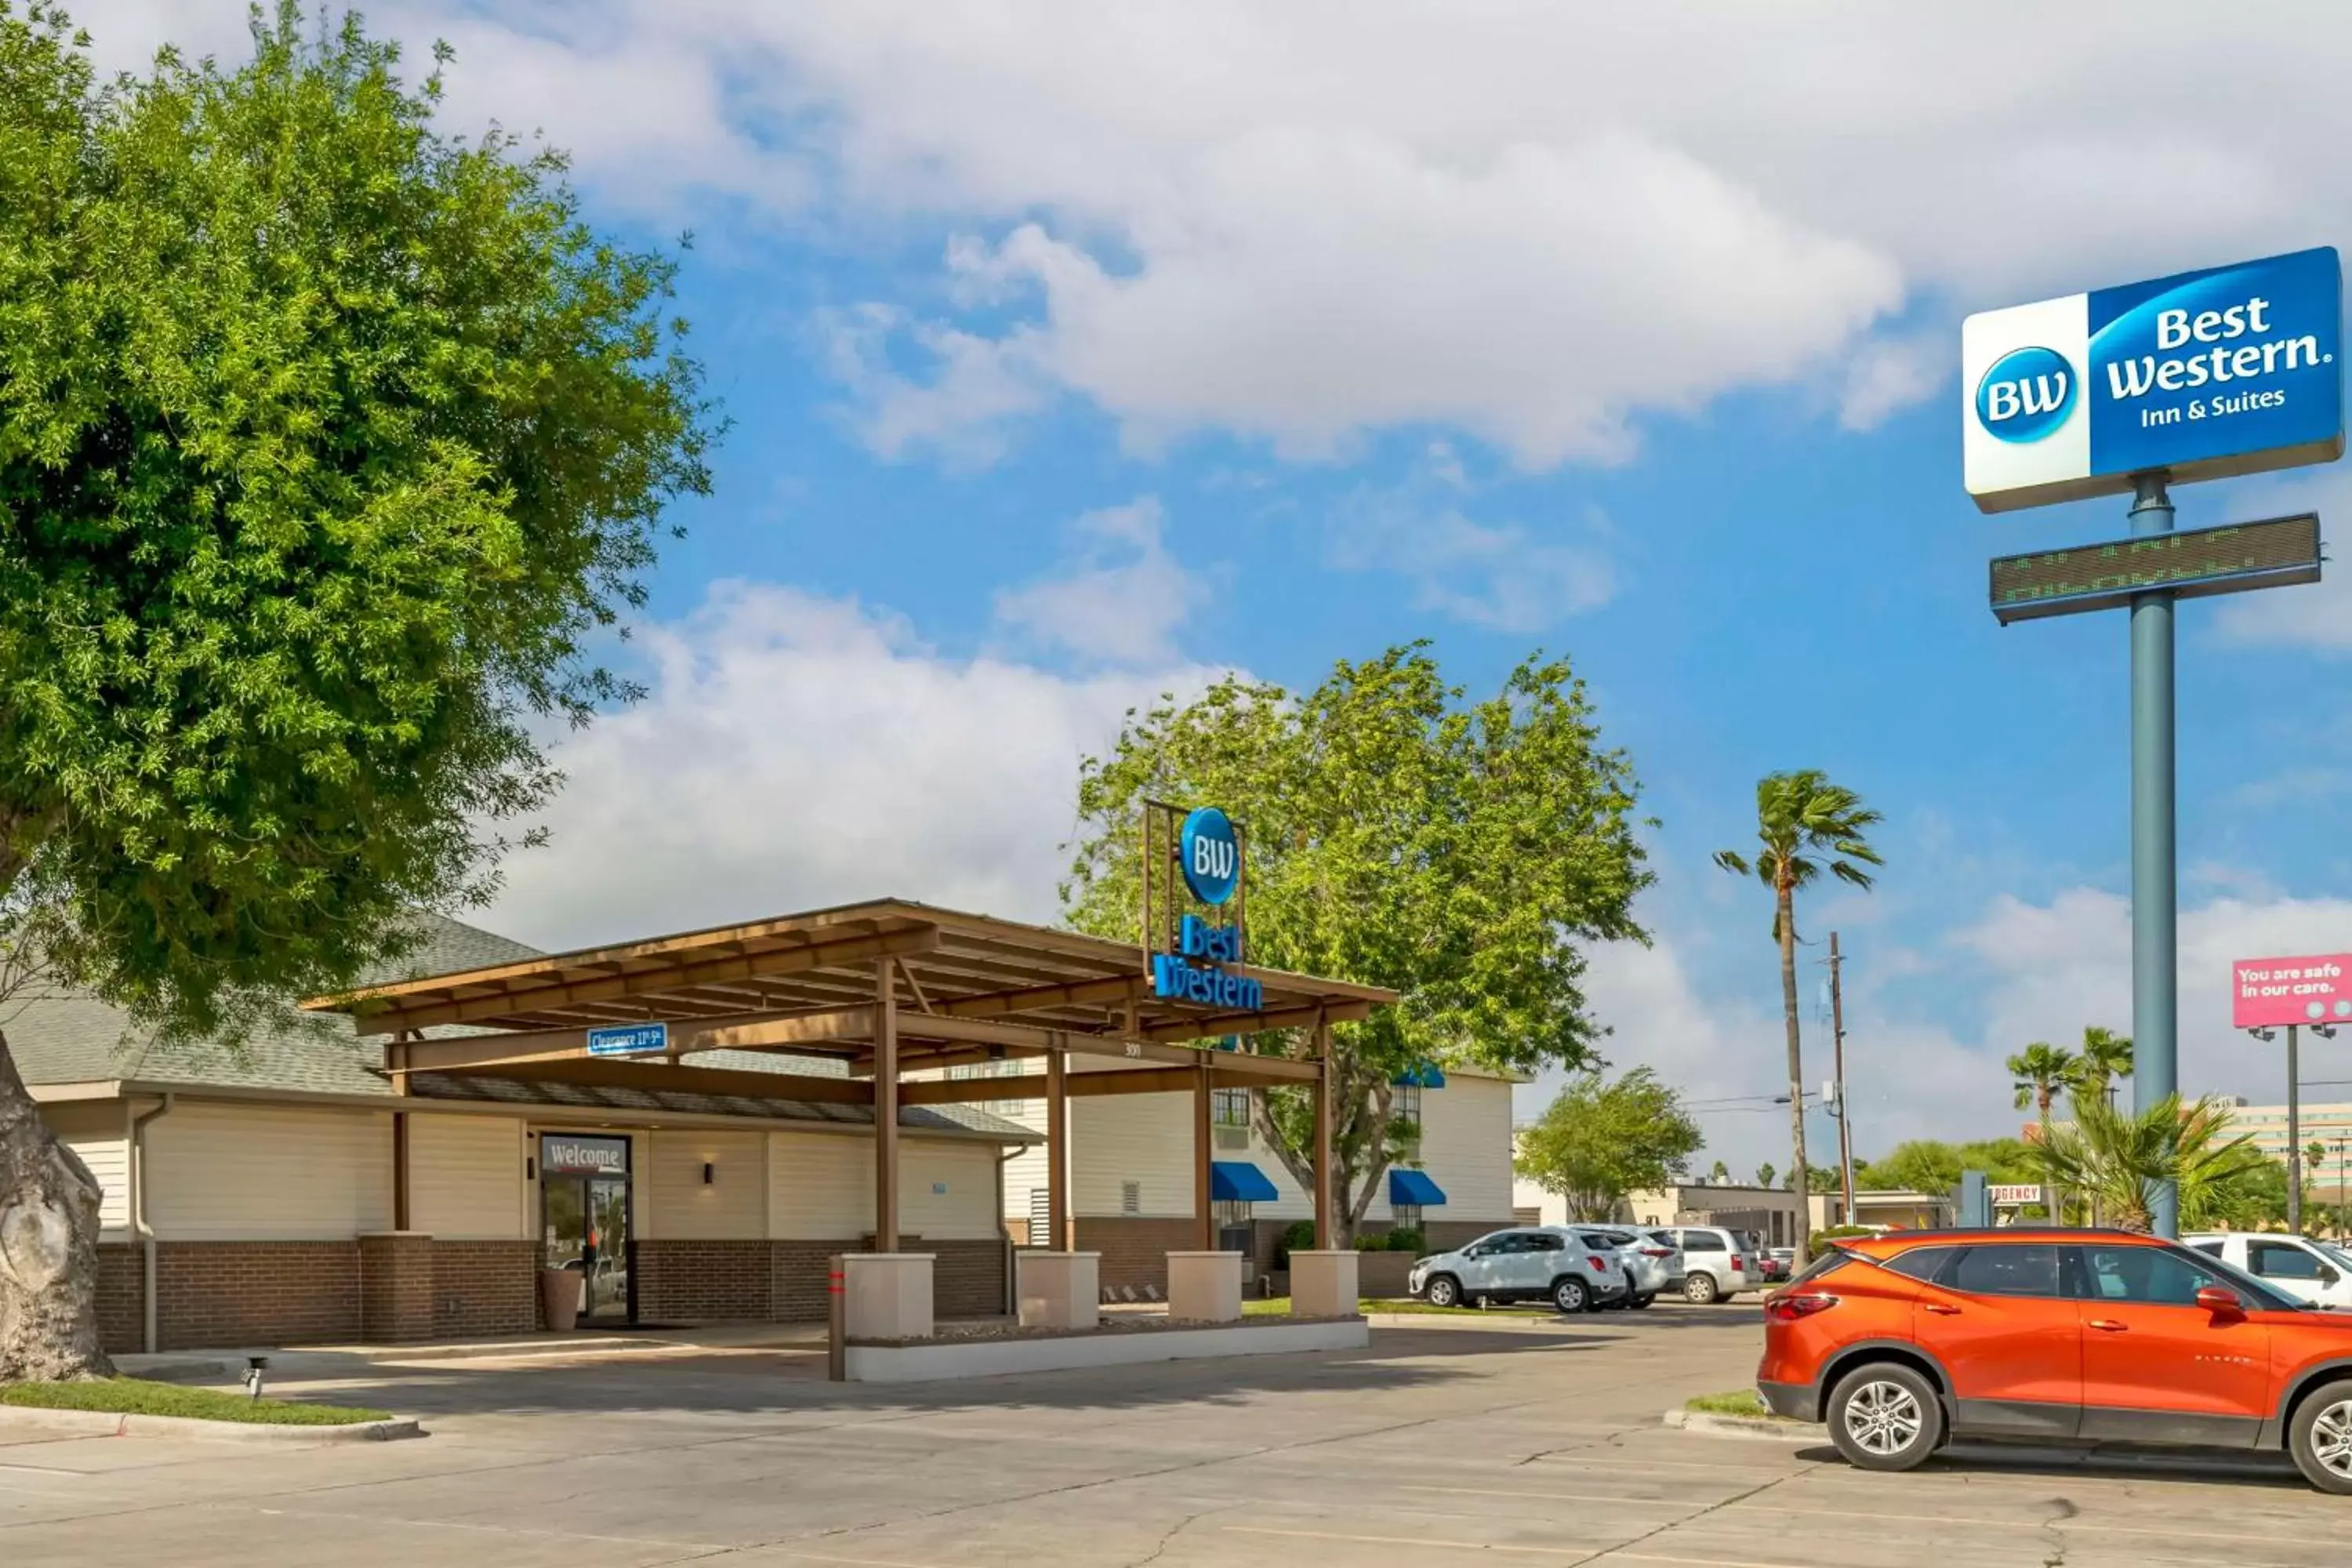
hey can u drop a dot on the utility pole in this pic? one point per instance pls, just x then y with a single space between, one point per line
1845 1113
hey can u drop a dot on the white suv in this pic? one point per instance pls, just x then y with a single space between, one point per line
1717 1264
2296 1266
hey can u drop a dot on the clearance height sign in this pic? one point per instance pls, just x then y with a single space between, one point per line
2233 369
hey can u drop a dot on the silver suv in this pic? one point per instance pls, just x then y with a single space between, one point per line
1539 1264
1717 1264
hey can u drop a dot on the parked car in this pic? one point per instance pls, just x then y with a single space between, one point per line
2298 1266
1643 1259
1776 1263
1531 1264
1715 1262
1902 1342
1667 1248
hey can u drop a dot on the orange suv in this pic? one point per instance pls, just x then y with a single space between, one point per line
1901 1343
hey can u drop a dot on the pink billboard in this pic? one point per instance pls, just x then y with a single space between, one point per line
2267 992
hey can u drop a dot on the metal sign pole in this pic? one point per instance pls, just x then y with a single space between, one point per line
2155 933
2293 1136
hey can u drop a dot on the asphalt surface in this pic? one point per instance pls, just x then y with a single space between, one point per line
1536 1443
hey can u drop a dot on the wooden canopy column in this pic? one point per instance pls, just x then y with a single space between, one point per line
1059 1236
1203 1145
886 1106
1323 1241
396 1058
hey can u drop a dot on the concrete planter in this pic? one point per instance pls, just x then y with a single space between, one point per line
947 1359
1323 1284
559 1299
1204 1287
887 1295
1059 1289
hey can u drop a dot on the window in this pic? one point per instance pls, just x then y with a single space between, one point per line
2007 1270
1229 1117
1544 1241
1703 1241
1230 1212
1010 1066
1407 1215
1830 1261
2282 1260
2209 1248
2153 1275
1405 1107
1921 1262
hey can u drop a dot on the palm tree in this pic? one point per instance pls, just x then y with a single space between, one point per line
2105 1056
2041 1071
1764 1173
2119 1158
1720 1175
1803 822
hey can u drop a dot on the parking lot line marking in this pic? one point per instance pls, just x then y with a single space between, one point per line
2070 1526
1552 1497
1578 1553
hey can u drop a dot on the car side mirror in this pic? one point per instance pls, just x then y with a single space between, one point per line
1474 1252
2328 1275
2221 1302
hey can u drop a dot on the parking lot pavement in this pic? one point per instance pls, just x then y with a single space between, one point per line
1537 1446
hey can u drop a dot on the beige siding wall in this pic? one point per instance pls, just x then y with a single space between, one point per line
819 1187
947 1191
733 1207
268 1172
465 1178
1465 1147
97 1132
1142 1138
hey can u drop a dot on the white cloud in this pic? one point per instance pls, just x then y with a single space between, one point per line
1532 223
1120 602
1889 374
796 751
973 388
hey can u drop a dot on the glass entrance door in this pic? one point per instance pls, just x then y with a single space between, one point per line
585 1220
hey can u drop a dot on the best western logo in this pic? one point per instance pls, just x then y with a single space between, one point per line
2026 394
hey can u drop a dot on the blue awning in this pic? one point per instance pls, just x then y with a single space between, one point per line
1239 1181
1423 1077
1413 1189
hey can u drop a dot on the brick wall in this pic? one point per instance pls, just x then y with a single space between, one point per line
395 1286
213 1294
1135 1250
967 1279
121 1297
704 1282
485 1287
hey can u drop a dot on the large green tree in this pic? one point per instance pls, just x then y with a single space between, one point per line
1804 825
1928 1165
1399 834
1603 1138
327 446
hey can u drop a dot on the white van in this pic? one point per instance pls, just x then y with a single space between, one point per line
2298 1266
1717 1264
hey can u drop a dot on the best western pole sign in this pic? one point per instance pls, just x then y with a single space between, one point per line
2228 371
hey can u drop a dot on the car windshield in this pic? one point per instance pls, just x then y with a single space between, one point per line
2335 1254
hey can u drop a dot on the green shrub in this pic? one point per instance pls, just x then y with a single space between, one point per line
1407 1239
1372 1241
1821 1238
1298 1238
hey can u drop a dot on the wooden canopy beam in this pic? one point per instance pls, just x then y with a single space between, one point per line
640 983
1202 1028
653 1073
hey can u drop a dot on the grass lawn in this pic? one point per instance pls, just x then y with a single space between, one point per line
133 1396
1279 1306
1742 1403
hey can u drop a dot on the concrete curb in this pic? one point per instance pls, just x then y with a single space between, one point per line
109 1424
1771 1427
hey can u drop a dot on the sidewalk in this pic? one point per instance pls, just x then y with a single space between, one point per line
326 1361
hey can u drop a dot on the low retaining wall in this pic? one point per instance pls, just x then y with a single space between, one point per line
941 1359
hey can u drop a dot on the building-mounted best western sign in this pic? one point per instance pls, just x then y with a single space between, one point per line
2233 369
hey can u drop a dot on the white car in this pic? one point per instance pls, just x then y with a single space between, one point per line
1717 1264
2309 1271
1643 1258
1538 1263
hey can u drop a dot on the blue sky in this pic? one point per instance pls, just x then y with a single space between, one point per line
1072 358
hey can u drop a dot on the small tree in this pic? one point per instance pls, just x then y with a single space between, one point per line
1400 836
326 448
2040 1072
1600 1139
2104 1057
2119 1159
1765 1173
1720 1175
1804 823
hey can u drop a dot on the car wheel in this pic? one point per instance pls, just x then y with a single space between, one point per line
1444 1291
1886 1417
1568 1294
2321 1437
1700 1288
1638 1302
